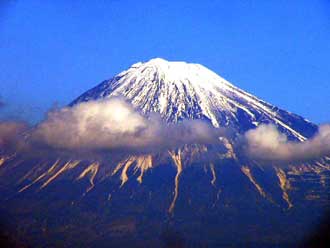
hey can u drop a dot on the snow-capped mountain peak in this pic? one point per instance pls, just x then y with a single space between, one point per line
180 90
179 72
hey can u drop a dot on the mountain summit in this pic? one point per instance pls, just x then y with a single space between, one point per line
209 195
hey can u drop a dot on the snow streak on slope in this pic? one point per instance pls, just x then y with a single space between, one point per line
285 185
178 163
92 170
246 170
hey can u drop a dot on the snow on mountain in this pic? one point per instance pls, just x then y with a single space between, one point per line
180 90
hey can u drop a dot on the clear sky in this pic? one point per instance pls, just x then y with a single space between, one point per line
52 51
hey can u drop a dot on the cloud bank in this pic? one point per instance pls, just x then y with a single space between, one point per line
267 143
113 124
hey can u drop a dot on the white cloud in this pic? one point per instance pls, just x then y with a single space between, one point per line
115 124
267 143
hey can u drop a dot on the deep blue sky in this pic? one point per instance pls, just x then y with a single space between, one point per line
52 51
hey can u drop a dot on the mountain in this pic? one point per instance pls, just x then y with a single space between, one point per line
170 198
